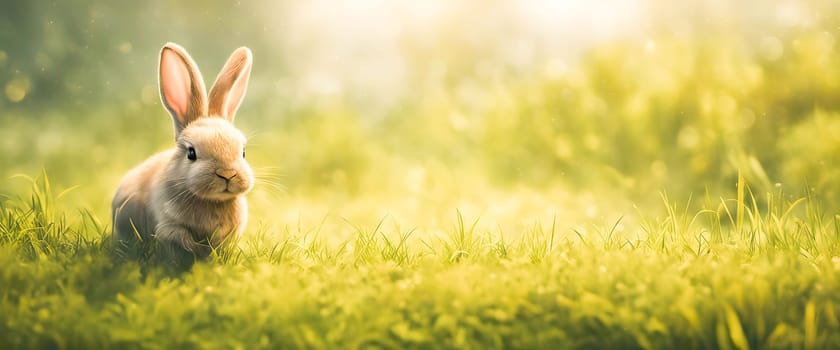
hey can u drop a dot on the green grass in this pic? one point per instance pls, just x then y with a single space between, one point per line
730 276
465 181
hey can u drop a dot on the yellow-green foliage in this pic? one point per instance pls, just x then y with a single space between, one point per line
704 280
438 177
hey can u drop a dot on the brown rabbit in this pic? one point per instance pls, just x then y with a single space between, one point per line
191 197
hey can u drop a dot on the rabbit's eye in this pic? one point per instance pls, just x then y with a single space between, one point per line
191 153
243 154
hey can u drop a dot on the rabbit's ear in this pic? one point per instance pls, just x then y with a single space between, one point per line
181 86
229 89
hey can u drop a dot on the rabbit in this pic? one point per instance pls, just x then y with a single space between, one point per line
191 198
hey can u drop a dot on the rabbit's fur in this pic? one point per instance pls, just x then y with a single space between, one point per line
191 197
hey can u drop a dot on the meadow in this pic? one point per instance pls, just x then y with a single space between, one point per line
438 176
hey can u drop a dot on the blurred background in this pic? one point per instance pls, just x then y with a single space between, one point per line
525 110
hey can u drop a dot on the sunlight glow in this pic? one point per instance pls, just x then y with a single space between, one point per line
363 48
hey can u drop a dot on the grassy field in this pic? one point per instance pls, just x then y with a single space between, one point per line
454 176
732 276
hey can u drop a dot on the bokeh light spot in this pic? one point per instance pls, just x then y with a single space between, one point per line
17 89
771 48
125 47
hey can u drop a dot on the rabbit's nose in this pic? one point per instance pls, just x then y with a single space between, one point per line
226 174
